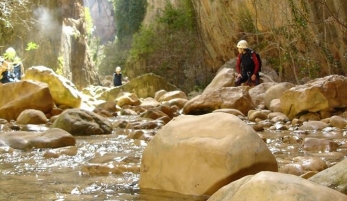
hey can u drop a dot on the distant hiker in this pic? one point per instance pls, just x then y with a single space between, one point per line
12 67
248 65
117 77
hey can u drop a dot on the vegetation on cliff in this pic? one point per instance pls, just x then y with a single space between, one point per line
10 18
170 47
302 40
129 15
299 38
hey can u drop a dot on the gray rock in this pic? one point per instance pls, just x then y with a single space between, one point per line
82 122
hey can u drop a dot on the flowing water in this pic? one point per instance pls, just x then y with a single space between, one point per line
29 175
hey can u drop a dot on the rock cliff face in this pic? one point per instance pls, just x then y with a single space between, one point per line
154 8
102 13
271 27
58 27
294 37
221 25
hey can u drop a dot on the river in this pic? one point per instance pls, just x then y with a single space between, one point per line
29 175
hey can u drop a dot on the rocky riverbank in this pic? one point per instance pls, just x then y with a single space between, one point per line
225 137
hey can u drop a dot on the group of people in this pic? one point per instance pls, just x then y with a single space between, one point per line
247 67
11 67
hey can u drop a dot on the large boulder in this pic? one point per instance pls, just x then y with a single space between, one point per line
63 91
197 155
224 78
334 177
107 109
220 94
258 92
19 96
126 98
52 138
143 86
275 186
172 95
225 97
82 122
322 94
275 92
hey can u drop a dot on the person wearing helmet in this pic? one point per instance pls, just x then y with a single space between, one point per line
117 77
247 64
14 66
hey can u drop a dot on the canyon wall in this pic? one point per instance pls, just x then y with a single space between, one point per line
221 25
312 36
102 13
59 28
310 39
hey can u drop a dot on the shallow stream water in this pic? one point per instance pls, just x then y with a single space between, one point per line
28 175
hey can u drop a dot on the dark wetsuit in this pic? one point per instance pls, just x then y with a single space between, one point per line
6 77
247 64
117 79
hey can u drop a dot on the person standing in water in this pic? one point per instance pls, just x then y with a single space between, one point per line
117 77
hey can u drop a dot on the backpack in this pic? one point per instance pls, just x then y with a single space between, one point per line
258 57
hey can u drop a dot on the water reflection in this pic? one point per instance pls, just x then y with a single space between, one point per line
30 175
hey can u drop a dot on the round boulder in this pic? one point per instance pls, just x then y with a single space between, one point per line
31 116
197 155
266 186
82 122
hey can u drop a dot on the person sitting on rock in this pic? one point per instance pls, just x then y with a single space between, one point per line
247 64
13 65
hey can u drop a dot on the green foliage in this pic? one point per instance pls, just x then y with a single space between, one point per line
119 52
76 34
94 44
299 12
246 21
8 18
32 46
60 68
143 43
171 48
89 20
178 18
290 44
129 15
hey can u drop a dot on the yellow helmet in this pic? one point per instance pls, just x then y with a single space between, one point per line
242 44
10 53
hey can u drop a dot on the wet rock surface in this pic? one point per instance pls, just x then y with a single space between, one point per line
112 157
